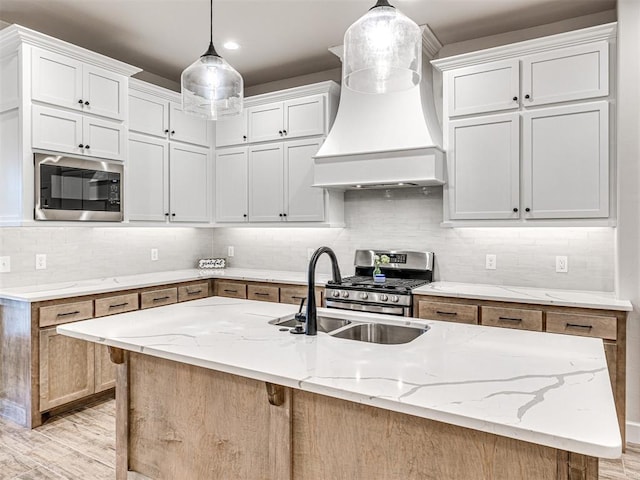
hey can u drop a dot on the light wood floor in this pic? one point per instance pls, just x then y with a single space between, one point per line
80 445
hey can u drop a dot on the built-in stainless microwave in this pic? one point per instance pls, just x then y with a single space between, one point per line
77 189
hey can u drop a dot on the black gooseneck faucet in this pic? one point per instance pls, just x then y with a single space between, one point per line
312 320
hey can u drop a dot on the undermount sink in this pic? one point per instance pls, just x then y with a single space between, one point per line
380 333
325 324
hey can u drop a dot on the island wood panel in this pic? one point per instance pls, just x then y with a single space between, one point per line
615 351
229 430
221 432
104 369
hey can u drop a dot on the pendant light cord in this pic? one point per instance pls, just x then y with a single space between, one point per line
211 50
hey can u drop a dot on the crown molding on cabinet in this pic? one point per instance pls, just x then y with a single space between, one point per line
430 43
151 89
528 47
329 86
14 35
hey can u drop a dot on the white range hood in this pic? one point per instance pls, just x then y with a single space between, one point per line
382 140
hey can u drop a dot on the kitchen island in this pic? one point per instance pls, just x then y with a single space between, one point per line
209 389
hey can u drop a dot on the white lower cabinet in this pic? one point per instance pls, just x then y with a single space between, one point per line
68 132
566 161
232 194
167 181
483 168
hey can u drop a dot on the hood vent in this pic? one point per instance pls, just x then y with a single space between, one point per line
384 140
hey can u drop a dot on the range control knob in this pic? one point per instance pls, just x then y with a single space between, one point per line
364 295
383 298
395 298
345 294
335 293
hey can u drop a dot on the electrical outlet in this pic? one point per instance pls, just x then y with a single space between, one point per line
562 264
230 251
154 254
310 253
5 264
41 261
490 262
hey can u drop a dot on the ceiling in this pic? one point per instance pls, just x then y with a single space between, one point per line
279 39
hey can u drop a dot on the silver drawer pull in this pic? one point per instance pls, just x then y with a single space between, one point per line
575 325
159 299
117 305
446 313
510 319
231 291
65 314
194 292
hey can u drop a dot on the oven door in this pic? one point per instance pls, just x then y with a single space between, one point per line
368 307
77 190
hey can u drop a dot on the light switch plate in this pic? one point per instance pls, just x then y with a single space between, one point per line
230 251
154 254
41 261
562 264
490 262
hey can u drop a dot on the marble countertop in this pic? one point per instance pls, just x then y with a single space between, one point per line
543 388
540 296
39 293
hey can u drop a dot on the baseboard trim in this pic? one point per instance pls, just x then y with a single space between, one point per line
633 432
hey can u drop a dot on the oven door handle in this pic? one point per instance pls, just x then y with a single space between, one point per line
364 307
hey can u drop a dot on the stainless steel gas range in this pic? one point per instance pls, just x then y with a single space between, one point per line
405 271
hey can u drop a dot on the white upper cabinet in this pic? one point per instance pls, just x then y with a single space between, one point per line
69 132
187 128
566 74
303 202
147 180
65 82
189 179
148 114
483 88
483 167
266 183
566 161
158 116
232 130
294 118
231 190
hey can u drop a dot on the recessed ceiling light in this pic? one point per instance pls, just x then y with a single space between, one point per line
231 45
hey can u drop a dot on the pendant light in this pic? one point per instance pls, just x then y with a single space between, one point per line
212 88
382 51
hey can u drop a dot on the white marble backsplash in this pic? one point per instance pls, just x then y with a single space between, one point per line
79 253
409 219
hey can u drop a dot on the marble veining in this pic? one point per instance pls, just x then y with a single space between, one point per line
539 387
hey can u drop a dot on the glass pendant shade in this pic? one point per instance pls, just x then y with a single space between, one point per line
212 88
382 52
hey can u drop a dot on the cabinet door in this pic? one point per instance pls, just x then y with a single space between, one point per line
147 179
266 183
232 177
231 130
105 369
103 138
56 79
57 130
566 161
266 122
148 114
304 203
66 369
565 74
189 184
489 87
483 167
304 116
104 92
188 128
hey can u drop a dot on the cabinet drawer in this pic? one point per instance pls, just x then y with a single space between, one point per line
293 295
157 298
231 289
116 304
585 325
512 318
263 293
65 313
193 291
451 312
